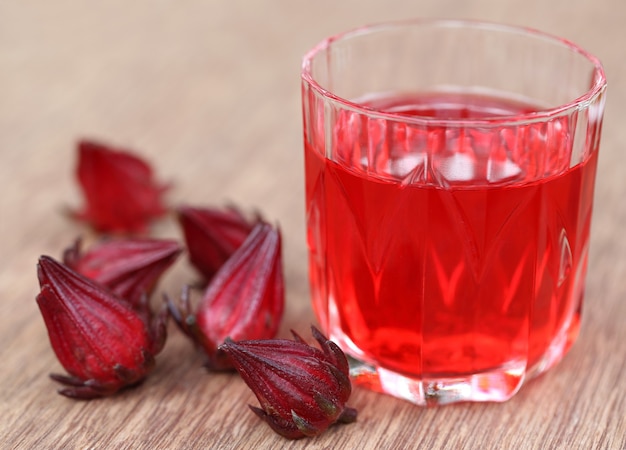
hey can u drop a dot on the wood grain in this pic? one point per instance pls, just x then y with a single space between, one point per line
209 92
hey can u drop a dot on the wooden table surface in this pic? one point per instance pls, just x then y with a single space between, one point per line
209 92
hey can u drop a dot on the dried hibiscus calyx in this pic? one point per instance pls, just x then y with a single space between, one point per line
212 235
120 192
244 300
101 341
130 268
302 390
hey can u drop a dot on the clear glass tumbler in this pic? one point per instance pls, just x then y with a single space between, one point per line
450 170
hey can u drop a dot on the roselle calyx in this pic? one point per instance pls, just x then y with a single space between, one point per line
213 234
103 343
302 390
244 300
130 267
121 194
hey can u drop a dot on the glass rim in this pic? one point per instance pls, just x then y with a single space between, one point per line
542 115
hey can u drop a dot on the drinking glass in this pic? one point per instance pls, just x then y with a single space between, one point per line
450 171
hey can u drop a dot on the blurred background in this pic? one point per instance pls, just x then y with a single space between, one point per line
208 88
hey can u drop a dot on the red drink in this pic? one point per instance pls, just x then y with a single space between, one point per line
445 251
448 231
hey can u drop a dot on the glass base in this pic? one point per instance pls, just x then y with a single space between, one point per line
496 385
499 385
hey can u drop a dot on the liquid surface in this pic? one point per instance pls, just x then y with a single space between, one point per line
444 251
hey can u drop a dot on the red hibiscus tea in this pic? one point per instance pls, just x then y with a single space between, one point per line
448 230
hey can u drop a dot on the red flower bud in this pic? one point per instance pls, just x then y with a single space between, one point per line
302 390
101 341
130 268
213 235
244 300
120 192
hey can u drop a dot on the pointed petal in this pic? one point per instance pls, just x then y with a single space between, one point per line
305 427
297 385
332 351
297 337
131 268
248 287
287 429
90 330
212 235
120 192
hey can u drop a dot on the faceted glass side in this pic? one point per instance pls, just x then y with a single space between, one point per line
453 259
448 208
